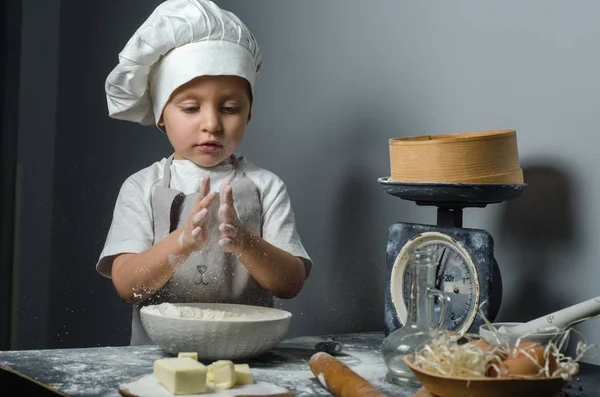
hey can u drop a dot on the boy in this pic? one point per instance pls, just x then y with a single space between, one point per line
202 225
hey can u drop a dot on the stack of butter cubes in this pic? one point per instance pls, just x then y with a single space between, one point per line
184 374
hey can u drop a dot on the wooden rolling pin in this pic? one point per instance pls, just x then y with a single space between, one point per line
339 379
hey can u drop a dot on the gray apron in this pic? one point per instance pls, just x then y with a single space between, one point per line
211 274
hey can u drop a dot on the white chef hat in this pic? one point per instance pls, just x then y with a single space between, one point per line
180 40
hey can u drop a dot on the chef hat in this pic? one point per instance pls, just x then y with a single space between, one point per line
180 40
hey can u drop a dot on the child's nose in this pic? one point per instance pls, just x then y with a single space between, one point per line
211 121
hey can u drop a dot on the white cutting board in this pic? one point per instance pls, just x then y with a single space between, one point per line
149 386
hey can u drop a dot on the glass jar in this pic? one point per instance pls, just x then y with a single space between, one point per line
420 325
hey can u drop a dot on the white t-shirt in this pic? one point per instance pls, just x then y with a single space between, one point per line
131 230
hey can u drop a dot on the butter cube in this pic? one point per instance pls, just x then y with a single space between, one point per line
243 376
181 375
188 354
223 374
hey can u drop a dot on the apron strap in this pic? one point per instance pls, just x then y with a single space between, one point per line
237 167
166 181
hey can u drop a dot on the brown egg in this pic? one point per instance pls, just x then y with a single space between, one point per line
481 343
536 351
520 366
528 359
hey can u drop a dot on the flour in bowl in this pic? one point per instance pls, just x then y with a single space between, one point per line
171 310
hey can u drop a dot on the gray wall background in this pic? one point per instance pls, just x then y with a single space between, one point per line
340 78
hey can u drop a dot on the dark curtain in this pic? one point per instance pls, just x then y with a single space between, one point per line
10 28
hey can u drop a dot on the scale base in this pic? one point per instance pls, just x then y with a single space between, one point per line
451 199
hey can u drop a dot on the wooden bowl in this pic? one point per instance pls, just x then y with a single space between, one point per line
470 157
445 386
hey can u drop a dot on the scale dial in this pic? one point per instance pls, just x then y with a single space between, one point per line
456 275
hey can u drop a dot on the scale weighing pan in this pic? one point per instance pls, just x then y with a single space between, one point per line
452 194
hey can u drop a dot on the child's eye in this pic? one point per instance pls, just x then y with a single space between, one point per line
190 109
229 109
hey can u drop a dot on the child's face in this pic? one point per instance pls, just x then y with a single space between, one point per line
205 118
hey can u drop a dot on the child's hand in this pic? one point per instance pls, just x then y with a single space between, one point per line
194 235
231 230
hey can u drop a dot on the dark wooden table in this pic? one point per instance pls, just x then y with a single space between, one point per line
99 371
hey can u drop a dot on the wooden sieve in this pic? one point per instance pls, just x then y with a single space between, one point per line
469 157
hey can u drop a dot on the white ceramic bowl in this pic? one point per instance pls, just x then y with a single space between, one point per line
542 338
236 332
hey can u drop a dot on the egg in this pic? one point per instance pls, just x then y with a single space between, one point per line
527 359
480 343
520 366
535 350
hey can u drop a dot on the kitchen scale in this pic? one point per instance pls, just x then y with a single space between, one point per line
467 270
